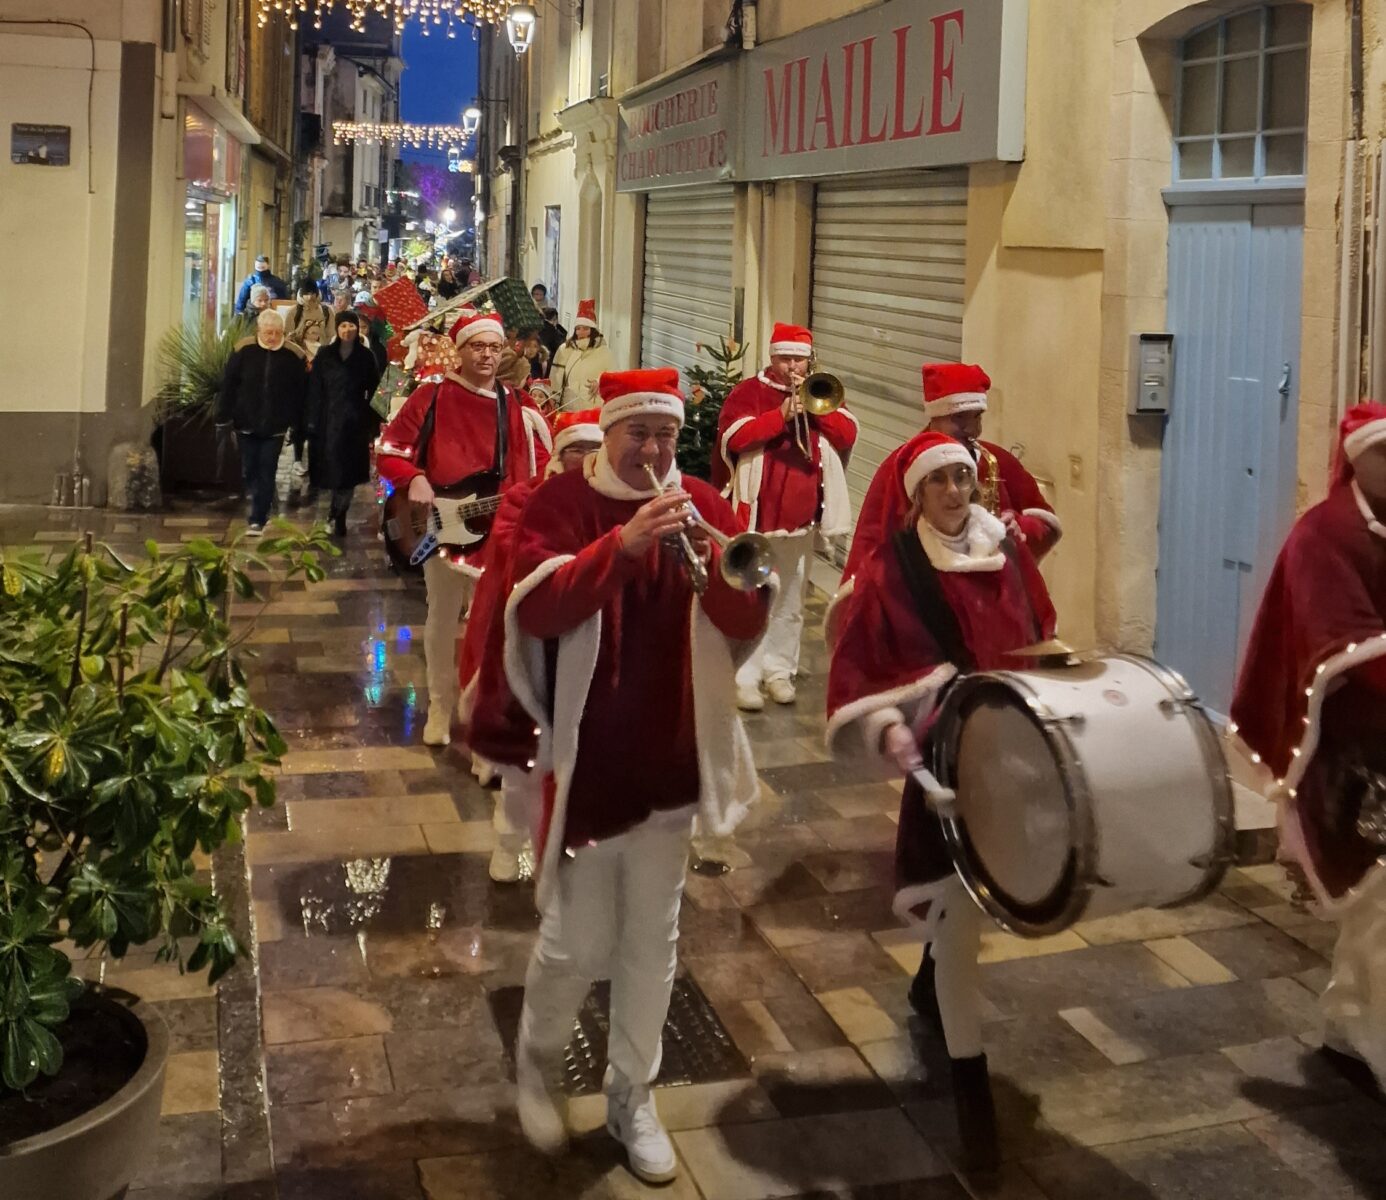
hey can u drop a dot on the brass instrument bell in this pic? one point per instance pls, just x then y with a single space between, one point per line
819 394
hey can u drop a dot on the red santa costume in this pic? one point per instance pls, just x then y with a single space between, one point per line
950 388
628 675
779 491
463 441
927 607
492 724
1311 703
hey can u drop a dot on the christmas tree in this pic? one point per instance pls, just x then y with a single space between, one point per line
698 438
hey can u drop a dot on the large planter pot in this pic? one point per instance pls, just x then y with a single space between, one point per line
192 456
95 1156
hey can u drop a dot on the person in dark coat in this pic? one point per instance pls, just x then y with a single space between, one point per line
341 424
551 334
262 276
262 397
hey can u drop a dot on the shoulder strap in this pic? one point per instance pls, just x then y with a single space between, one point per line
1008 548
934 610
426 431
502 431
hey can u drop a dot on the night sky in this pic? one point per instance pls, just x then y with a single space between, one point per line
439 81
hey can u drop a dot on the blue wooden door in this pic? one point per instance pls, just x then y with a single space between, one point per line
1228 471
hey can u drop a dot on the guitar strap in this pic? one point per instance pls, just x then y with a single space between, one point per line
425 438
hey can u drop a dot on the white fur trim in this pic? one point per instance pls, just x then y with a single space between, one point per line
945 454
939 895
639 404
984 537
538 427
762 377
1366 510
836 610
1366 435
576 433
874 725
486 324
921 692
584 323
1043 514
958 402
602 477
794 349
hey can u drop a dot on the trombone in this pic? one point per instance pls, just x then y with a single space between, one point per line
746 559
818 395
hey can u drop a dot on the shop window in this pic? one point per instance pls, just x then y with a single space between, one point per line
1243 98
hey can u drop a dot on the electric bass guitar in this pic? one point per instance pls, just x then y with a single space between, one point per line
459 519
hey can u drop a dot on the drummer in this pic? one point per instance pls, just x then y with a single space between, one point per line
950 592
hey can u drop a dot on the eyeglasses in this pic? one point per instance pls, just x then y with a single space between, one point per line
484 347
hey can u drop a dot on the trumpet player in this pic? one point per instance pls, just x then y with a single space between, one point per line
627 674
783 469
955 399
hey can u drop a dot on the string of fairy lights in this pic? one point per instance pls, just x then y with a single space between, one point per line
432 15
422 137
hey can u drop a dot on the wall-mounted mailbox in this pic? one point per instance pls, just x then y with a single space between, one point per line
1152 373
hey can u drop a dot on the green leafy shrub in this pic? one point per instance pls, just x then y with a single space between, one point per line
128 740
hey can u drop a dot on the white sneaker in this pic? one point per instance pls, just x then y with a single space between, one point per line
537 1107
781 690
632 1120
749 699
505 865
300 469
437 729
254 531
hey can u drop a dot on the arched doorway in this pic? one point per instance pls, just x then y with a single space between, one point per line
1236 204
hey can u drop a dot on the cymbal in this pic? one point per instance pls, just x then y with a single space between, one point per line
1052 648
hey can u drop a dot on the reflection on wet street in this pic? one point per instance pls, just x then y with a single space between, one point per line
1156 1054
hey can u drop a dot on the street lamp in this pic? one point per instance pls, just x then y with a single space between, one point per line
519 26
450 216
471 120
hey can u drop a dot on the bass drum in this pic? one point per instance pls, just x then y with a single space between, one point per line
1082 791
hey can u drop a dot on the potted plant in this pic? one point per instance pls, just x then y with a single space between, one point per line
128 741
192 361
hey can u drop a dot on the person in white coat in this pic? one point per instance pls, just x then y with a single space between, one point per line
580 361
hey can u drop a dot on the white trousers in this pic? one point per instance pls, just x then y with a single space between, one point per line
449 593
777 656
957 973
614 913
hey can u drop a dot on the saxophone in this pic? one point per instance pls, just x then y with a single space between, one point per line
988 493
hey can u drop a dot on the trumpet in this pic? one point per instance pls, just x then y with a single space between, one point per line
746 559
818 395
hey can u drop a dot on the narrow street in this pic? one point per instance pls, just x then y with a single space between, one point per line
1152 1054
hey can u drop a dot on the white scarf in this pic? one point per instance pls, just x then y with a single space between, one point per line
604 480
975 547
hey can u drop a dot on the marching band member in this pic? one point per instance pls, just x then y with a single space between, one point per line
445 432
955 397
783 470
1311 704
494 727
949 592
628 674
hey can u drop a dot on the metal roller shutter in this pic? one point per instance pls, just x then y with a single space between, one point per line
688 274
888 272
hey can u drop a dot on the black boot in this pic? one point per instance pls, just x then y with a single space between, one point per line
976 1115
923 996
339 525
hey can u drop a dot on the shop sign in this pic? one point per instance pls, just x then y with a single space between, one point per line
41 145
913 83
679 133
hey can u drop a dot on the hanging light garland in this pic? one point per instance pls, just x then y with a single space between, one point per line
431 14
426 137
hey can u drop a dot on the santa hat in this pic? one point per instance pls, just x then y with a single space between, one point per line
640 393
581 426
474 323
954 388
586 315
792 340
1363 425
925 453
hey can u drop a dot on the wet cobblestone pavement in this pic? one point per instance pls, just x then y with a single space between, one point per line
1152 1055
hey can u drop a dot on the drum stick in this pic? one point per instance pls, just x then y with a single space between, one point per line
942 800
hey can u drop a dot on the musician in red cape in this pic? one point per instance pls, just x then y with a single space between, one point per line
446 432
784 472
1311 704
955 397
494 727
949 592
629 676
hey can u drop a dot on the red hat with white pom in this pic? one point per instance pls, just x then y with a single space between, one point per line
1362 426
473 324
652 392
581 426
954 388
586 315
793 341
928 451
